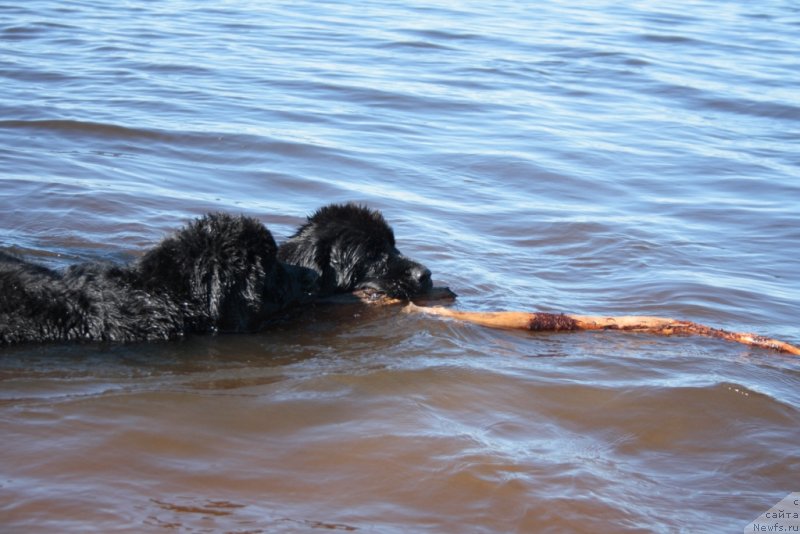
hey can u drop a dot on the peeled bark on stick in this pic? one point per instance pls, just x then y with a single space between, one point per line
552 322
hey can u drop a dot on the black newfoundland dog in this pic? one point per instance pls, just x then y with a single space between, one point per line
220 273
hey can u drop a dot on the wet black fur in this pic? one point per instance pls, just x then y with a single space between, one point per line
224 272
220 273
352 247
86 302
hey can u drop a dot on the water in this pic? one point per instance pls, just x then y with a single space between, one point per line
603 158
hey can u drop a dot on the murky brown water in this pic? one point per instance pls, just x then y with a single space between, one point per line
599 158
388 423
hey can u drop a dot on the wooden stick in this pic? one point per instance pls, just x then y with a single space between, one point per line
552 322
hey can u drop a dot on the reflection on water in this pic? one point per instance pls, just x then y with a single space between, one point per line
599 158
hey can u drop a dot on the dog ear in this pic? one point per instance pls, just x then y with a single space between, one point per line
162 268
311 248
341 266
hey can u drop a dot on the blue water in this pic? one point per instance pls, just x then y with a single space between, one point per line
601 157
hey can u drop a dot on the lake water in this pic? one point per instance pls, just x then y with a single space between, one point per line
596 157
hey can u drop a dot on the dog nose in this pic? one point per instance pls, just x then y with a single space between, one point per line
422 275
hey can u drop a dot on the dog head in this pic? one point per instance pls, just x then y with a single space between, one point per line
352 247
224 270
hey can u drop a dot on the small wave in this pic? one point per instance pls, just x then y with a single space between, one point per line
33 31
744 106
40 76
174 68
774 110
425 45
668 39
84 127
444 35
